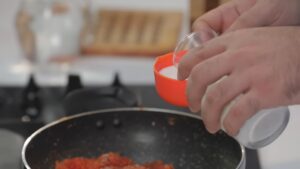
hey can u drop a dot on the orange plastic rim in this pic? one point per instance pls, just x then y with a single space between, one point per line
171 90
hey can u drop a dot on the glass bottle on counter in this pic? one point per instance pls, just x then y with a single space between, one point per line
51 31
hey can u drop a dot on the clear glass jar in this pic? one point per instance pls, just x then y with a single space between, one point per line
51 31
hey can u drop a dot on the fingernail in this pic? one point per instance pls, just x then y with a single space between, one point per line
180 76
233 133
212 130
229 129
193 109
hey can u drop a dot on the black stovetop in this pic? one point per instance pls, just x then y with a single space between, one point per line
24 110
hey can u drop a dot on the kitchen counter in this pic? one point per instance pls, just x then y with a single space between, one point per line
284 153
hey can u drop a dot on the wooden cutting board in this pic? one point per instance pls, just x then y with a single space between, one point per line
135 33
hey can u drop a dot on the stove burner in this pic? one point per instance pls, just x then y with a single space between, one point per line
31 101
10 149
113 96
74 83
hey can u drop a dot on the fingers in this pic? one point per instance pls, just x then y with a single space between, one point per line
227 17
244 107
217 96
195 56
248 19
215 18
221 18
206 35
204 74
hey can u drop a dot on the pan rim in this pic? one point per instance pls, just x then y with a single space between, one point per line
148 109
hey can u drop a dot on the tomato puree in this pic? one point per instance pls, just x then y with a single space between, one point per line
108 161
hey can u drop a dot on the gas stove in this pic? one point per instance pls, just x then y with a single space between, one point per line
25 109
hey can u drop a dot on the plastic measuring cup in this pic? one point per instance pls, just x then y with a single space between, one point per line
260 130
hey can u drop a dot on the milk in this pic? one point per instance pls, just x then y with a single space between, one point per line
170 72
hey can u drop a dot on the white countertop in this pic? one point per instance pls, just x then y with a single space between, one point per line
284 153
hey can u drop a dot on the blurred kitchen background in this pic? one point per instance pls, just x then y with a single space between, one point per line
96 39
93 38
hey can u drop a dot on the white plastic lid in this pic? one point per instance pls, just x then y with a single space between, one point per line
264 127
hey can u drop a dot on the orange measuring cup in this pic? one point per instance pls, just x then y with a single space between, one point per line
171 90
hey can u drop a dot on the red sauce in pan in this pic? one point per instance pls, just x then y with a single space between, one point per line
108 161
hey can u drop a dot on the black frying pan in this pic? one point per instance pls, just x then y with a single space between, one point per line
143 134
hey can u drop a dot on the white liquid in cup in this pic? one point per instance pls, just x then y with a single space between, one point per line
170 72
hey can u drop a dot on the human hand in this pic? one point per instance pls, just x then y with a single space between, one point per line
238 14
262 66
